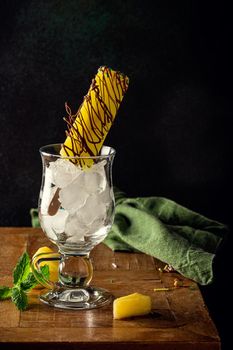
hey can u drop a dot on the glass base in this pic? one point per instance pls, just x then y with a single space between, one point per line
77 298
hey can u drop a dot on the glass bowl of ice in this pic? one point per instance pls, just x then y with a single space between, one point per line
76 212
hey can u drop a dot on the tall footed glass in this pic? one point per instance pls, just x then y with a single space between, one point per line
76 211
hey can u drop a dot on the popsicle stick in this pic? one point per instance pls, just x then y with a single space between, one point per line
54 204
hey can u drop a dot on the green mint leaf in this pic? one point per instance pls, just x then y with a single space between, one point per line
5 293
22 269
45 271
19 297
29 283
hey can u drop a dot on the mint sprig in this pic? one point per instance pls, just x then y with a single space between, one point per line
19 297
24 281
22 268
5 293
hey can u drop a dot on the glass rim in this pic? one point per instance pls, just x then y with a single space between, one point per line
43 152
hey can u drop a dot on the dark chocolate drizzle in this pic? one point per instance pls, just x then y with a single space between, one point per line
88 139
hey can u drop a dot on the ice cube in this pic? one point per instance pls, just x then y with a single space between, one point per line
95 226
64 172
47 192
73 196
75 229
59 220
94 179
53 225
107 195
92 210
94 182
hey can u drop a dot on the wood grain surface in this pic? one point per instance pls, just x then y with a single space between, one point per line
179 320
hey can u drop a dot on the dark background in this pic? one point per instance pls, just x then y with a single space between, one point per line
173 132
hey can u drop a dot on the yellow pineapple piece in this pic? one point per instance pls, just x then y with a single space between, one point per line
88 128
135 304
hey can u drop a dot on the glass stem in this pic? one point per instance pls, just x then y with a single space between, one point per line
75 271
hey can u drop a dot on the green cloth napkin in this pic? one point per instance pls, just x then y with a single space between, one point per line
34 217
167 231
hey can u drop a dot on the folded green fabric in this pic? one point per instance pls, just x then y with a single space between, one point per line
167 231
34 217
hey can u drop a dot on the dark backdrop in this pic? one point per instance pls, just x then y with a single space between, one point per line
173 134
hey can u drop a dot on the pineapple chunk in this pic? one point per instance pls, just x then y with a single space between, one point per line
135 304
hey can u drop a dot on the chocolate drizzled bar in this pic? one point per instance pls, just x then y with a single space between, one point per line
88 128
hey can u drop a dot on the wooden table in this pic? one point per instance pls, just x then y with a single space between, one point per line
179 320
